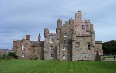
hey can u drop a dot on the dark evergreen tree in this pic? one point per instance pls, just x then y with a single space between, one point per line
110 47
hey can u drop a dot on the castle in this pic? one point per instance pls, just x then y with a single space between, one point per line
73 41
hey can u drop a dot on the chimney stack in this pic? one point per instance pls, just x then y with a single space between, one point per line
78 16
28 37
39 37
46 32
59 23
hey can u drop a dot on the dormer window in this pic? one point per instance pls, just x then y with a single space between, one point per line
83 27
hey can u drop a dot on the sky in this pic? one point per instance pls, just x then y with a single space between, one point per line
21 17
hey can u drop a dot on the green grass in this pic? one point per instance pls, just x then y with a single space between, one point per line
39 66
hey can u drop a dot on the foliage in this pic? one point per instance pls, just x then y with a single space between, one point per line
40 66
13 55
10 55
110 47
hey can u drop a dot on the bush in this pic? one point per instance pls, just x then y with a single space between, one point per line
10 55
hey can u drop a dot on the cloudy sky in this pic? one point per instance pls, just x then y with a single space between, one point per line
21 17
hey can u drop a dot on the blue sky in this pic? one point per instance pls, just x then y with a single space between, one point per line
21 17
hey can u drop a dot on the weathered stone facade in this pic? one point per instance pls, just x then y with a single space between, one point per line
50 47
26 49
74 40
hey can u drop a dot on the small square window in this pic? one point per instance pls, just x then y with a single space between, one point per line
65 34
51 47
64 41
51 40
23 55
63 56
83 27
77 45
51 55
63 48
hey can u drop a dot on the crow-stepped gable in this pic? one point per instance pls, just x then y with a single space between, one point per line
74 40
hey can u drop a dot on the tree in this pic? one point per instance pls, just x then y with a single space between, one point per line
12 55
109 47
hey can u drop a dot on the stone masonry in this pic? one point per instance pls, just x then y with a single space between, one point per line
73 41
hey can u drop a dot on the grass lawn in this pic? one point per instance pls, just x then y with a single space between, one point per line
39 66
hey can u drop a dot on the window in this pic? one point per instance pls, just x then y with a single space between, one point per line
64 41
22 55
77 45
51 47
63 48
83 27
63 56
22 47
65 34
89 46
51 40
51 55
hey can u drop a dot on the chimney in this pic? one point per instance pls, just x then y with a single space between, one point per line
59 23
39 37
78 16
14 46
28 37
46 32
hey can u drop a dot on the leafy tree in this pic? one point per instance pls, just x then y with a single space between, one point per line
0 56
110 47
12 55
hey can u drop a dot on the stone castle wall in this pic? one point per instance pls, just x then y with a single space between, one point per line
74 40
